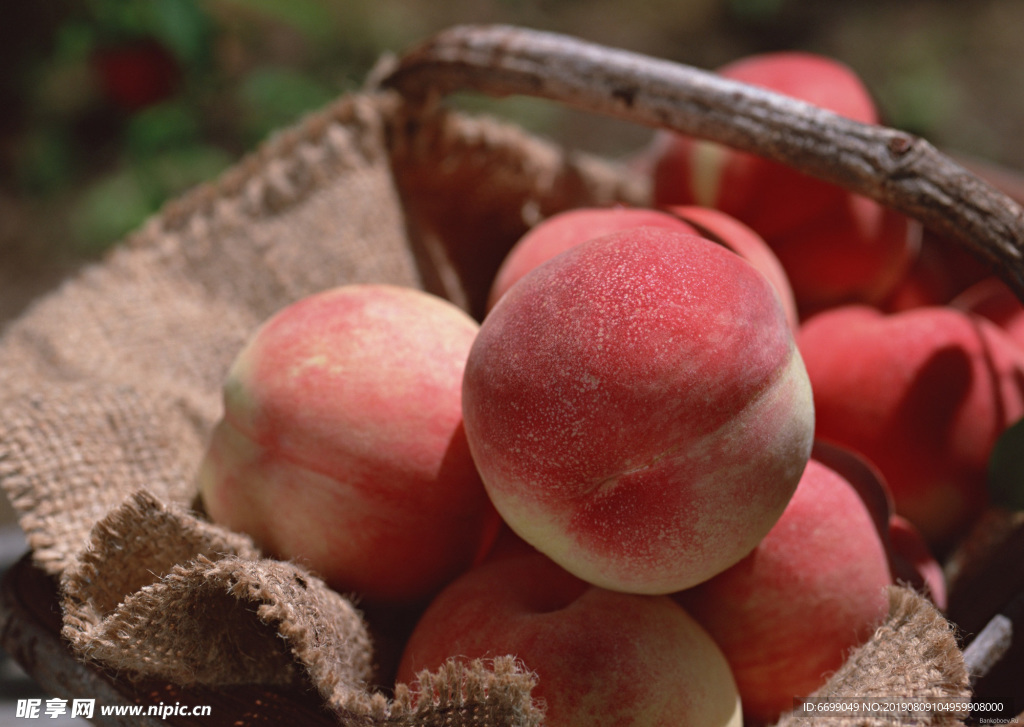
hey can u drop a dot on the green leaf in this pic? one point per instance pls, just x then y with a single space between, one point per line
1006 469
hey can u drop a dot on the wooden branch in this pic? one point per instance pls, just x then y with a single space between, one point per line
988 647
897 169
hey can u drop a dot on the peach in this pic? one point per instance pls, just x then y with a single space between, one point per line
914 564
923 395
601 657
925 283
342 443
942 269
638 409
567 229
855 251
835 246
787 614
741 239
993 299
910 559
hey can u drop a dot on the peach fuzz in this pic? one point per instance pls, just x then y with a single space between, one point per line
342 445
787 615
600 657
558 233
726 230
638 410
836 247
923 395
911 561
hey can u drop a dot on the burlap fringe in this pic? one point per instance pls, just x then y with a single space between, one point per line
492 693
912 659
275 624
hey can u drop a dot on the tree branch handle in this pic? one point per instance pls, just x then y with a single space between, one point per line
892 167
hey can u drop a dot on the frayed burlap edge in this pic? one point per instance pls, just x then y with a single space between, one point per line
480 693
200 606
182 606
911 659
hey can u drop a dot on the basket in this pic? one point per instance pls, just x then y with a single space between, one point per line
110 385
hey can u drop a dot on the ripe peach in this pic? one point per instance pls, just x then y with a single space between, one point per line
835 246
601 657
567 229
855 251
691 171
787 614
342 442
923 395
638 410
913 562
991 298
727 230
940 271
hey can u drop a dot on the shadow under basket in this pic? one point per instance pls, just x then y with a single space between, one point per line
110 386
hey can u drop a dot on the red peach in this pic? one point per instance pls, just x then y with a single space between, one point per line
638 410
993 299
923 395
342 442
926 282
863 477
855 251
835 246
768 196
726 230
567 229
601 657
914 564
940 271
506 544
911 561
787 615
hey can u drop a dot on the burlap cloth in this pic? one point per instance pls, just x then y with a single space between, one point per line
110 385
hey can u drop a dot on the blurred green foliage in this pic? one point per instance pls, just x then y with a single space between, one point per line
132 103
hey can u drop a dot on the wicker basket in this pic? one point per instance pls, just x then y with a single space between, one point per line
110 386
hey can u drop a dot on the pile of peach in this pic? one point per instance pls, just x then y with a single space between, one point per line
679 461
